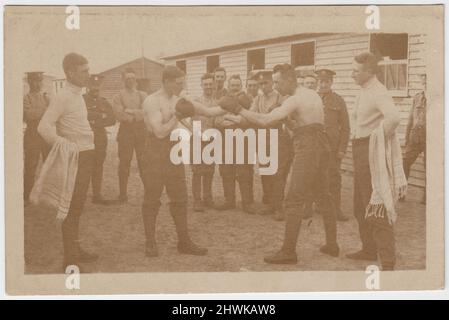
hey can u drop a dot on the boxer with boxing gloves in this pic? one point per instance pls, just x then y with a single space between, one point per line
162 112
310 163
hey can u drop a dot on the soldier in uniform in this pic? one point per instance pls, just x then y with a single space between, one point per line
232 173
127 106
336 120
202 174
100 116
219 81
34 105
274 185
415 137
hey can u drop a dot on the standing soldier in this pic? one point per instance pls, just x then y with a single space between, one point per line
232 173
127 106
34 105
100 115
336 120
274 185
202 174
219 81
415 136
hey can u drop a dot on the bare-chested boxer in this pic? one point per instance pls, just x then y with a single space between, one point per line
310 164
162 112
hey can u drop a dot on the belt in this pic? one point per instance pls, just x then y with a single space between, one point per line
360 141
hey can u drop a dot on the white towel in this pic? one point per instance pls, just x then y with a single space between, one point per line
56 182
387 174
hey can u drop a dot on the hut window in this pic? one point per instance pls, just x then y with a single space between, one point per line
212 62
303 55
392 51
181 64
256 59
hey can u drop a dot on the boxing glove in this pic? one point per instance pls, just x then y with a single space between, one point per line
244 100
230 104
184 109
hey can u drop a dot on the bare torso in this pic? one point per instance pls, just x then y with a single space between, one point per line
309 107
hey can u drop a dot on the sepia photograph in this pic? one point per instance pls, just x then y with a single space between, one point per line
223 149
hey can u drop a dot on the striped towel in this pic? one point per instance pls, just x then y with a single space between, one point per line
56 182
387 175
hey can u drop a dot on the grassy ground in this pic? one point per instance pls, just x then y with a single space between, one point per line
236 241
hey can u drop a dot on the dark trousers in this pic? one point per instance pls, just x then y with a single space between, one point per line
70 226
309 172
34 148
202 176
101 144
335 180
414 147
244 175
159 173
130 139
274 185
377 235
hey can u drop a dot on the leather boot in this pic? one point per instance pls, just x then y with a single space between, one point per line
123 186
330 227
287 254
185 244
149 223
70 228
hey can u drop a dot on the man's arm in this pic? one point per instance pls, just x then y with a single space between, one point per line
390 112
107 116
288 106
344 128
409 122
47 125
207 111
30 113
138 113
154 120
119 110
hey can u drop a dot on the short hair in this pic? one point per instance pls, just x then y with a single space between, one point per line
369 61
207 76
286 71
235 77
73 60
172 73
128 70
219 69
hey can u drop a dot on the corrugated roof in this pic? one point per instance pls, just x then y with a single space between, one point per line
243 45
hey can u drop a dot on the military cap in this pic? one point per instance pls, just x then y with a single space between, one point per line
264 75
95 80
307 73
325 74
35 75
